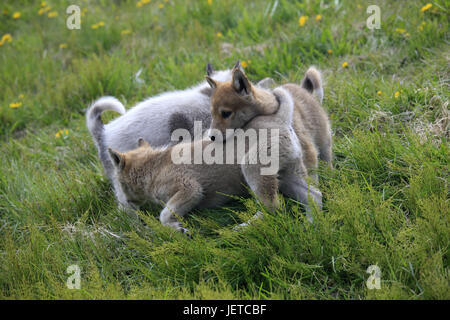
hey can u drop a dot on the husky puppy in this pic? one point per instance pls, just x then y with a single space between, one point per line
149 174
238 104
235 103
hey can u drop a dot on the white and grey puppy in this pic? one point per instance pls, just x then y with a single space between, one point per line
154 120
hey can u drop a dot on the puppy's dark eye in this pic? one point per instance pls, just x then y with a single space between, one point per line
226 114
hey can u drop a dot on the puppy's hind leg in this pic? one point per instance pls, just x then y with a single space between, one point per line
181 203
295 187
265 187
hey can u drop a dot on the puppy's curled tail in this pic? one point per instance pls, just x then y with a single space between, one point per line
93 116
312 82
286 109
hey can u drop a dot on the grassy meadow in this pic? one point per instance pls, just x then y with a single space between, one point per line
386 201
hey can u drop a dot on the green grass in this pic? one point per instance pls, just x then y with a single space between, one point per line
385 202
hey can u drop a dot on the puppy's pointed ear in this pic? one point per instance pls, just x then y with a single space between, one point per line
240 82
209 69
117 158
211 82
237 65
143 143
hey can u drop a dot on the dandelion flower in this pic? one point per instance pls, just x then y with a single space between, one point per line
98 25
426 7
16 15
52 14
62 132
15 105
145 1
400 30
345 64
161 5
244 64
396 94
126 31
63 46
318 17
302 21
21 96
379 92
210 2
44 10
219 35
6 37
330 51
139 4
43 4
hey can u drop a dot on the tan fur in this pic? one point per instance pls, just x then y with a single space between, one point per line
310 120
148 175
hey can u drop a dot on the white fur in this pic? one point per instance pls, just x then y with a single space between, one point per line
149 119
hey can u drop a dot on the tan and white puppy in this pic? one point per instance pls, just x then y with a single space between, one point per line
234 104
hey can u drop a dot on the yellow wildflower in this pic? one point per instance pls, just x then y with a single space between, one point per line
126 31
161 6
63 46
396 94
44 10
345 64
139 4
145 1
379 92
244 64
318 17
219 35
426 7
43 4
16 15
15 105
62 132
52 14
400 30
21 96
98 25
6 37
330 51
302 20
210 2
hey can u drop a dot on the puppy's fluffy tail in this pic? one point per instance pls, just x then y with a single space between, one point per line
93 116
286 109
312 82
